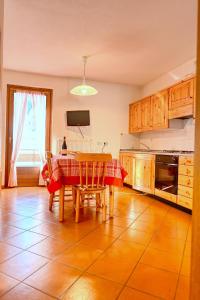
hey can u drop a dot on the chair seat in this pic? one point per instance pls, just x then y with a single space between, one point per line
89 189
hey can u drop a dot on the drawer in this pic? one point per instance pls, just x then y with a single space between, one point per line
185 191
185 180
186 160
165 195
184 201
186 170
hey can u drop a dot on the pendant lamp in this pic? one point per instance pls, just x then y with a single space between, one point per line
84 89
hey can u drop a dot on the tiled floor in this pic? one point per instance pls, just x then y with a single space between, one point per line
142 254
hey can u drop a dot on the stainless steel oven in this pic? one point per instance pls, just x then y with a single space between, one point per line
166 173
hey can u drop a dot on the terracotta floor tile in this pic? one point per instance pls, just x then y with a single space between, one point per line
80 256
185 268
137 236
6 283
144 226
49 248
25 292
162 260
53 279
91 287
113 249
187 251
9 218
26 223
22 265
100 241
7 251
183 288
47 228
121 222
151 217
7 232
26 239
154 281
131 294
109 229
118 261
172 245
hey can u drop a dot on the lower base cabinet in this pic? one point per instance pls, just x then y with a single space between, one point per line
141 176
144 173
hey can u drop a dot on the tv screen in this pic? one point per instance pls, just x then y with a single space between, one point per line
78 118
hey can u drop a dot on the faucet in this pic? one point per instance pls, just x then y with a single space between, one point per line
147 147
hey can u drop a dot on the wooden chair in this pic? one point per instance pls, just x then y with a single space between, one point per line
92 169
53 197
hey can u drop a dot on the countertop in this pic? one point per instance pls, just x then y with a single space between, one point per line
163 152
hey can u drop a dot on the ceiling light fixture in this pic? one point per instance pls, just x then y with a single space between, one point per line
84 89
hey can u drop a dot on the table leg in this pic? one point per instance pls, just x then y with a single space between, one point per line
111 200
61 203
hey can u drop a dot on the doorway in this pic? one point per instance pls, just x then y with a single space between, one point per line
28 134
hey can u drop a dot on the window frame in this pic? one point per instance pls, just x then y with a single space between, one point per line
9 120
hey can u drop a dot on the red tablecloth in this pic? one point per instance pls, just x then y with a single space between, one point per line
65 171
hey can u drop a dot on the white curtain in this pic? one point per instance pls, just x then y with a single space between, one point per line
39 112
18 126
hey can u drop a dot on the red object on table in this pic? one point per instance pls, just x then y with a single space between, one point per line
65 171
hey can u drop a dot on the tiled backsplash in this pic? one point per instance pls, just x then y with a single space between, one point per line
180 139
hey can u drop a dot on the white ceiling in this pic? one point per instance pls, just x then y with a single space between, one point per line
130 41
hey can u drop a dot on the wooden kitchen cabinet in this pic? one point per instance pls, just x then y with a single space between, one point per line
127 161
146 114
144 173
135 117
181 99
185 181
159 103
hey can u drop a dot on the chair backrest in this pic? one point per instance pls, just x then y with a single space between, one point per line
48 156
93 166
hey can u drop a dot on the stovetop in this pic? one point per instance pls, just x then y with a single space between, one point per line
159 151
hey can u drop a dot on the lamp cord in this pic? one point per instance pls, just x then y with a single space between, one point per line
84 67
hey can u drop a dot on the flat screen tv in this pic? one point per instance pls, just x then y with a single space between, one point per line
78 118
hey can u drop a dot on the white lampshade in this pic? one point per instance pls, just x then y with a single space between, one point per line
84 89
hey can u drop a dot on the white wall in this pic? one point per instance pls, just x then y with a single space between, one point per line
180 139
108 109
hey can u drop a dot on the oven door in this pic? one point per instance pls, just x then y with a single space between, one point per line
166 177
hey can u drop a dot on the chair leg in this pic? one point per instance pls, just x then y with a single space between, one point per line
98 202
104 205
77 206
51 201
74 195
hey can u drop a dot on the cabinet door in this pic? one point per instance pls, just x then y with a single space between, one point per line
135 117
146 114
126 160
144 173
159 104
181 99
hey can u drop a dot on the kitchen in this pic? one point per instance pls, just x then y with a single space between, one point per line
143 68
166 173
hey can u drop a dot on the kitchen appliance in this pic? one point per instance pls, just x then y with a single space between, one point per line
166 173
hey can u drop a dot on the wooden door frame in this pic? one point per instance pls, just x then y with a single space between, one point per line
195 253
9 119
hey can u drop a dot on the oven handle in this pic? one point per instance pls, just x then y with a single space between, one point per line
162 163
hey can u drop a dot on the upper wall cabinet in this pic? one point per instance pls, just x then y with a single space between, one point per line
160 110
181 99
154 112
146 114
149 113
135 117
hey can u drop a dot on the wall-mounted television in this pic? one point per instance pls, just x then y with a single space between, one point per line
78 118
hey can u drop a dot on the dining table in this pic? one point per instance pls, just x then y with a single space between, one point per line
65 172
